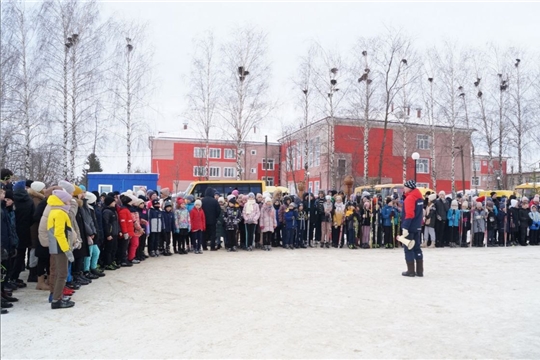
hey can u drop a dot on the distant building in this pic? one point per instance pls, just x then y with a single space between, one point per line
526 177
397 161
489 177
106 182
180 158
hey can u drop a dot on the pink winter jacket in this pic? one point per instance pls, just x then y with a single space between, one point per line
252 217
267 221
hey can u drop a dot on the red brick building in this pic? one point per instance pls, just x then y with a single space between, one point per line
489 177
180 159
397 161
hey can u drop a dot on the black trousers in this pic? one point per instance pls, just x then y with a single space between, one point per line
439 233
231 239
388 235
121 251
277 236
18 262
318 231
523 235
110 248
336 238
142 245
250 233
165 240
267 238
209 236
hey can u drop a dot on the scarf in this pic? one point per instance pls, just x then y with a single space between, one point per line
249 206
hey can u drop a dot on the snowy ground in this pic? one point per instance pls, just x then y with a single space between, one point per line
315 303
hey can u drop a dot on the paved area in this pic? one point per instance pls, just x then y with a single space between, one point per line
315 303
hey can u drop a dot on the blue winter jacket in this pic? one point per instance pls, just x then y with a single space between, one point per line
290 219
386 214
453 217
168 221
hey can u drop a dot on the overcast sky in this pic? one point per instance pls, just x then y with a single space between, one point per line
292 26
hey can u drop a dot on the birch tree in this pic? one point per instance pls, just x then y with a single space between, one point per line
204 90
246 86
131 83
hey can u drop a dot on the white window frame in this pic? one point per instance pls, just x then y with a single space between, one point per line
310 153
218 150
317 187
477 165
101 186
422 185
229 154
270 164
136 188
423 141
420 164
229 172
475 181
270 181
199 152
310 187
199 171
215 169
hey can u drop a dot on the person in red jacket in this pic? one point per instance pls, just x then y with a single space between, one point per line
413 208
126 229
198 226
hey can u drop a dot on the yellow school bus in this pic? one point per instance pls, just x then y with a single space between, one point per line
389 189
225 187
528 189
499 193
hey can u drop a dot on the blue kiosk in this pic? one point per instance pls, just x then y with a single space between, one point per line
107 182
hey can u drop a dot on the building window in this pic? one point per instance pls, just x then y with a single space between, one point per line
299 153
199 152
341 168
475 181
268 164
310 153
253 152
422 166
215 153
317 151
484 163
229 154
215 171
199 171
228 172
289 158
476 165
422 185
317 187
269 181
422 142
105 189
310 187
253 170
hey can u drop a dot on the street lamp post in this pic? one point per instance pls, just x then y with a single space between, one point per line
415 156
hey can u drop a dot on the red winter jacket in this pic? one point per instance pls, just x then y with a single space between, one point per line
198 221
126 221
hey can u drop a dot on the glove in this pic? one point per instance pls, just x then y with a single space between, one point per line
262 227
126 236
77 244
405 232
69 255
439 217
90 241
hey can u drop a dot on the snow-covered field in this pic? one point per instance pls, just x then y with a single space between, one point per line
314 303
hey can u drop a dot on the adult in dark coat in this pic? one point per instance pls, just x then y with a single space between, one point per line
212 210
24 217
311 208
441 208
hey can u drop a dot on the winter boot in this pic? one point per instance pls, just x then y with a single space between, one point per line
410 269
32 275
420 268
41 285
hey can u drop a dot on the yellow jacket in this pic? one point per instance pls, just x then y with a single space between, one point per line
58 226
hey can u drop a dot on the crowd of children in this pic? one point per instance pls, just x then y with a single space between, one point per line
68 237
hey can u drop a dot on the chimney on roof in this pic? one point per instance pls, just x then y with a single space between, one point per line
254 129
408 110
418 113
185 125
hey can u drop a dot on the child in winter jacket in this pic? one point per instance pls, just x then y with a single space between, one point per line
491 224
250 214
290 216
181 228
534 229
155 219
168 227
465 222
232 219
387 213
301 229
198 226
352 223
365 220
268 223
479 225
338 220
454 216
326 222
127 230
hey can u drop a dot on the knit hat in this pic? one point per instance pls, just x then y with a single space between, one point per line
19 185
155 203
432 197
109 200
83 188
90 197
140 193
534 206
465 204
138 202
411 184
292 204
198 202
95 193
251 195
513 203
442 194
267 199
179 201
221 199
328 197
28 183
77 191
37 186
232 200
231 197
235 192
125 200
165 192
366 194
454 204
190 198
66 186
167 204
9 194
5 174
62 195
